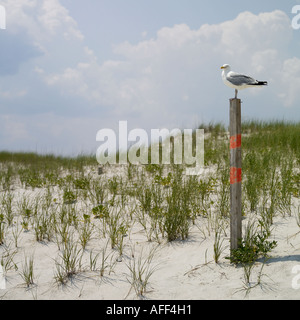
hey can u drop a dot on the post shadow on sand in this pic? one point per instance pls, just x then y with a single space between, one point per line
293 257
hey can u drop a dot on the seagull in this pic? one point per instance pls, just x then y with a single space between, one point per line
239 81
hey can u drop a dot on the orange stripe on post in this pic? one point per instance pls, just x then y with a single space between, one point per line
236 141
235 175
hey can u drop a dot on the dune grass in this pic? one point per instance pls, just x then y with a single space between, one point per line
66 202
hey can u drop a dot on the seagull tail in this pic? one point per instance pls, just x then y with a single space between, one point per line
261 83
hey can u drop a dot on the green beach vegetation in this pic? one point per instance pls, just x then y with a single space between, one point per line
65 201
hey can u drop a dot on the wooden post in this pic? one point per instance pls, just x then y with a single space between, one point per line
100 170
235 174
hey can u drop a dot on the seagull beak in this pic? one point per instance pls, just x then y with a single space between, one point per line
222 67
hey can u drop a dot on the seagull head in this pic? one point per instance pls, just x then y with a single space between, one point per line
226 67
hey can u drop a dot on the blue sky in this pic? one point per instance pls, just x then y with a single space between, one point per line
69 68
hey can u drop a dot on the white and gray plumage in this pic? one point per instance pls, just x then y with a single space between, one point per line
239 81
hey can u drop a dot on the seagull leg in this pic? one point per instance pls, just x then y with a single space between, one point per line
236 93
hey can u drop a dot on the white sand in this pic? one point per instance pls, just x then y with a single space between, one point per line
184 270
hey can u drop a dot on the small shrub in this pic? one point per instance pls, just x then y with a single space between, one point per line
100 212
252 248
81 183
69 197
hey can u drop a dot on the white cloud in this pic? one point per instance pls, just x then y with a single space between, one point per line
41 19
166 81
249 32
290 81
55 18
179 69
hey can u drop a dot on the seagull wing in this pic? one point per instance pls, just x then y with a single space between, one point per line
240 79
